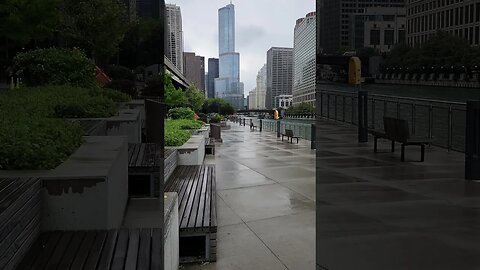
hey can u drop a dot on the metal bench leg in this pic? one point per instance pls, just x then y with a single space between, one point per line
393 146
423 153
403 152
297 140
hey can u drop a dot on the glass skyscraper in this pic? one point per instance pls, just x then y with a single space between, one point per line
228 85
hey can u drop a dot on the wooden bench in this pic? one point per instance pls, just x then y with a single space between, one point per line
210 146
197 212
397 130
289 135
252 126
19 218
113 249
144 165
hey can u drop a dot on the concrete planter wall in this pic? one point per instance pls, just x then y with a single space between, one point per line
192 152
170 163
89 191
204 131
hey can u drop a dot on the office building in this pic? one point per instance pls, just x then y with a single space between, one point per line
174 50
378 28
279 75
194 66
228 85
304 60
335 20
212 75
460 18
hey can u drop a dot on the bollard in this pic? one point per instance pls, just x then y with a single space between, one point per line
313 139
278 128
472 141
362 116
244 121
260 125
240 121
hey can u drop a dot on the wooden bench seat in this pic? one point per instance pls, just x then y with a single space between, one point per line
19 218
144 165
289 134
197 212
113 249
210 146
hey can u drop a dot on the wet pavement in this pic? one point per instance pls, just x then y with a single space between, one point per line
376 212
373 211
265 202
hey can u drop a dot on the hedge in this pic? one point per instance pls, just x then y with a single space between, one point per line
33 133
181 113
178 132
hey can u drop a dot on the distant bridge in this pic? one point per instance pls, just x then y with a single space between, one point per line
255 111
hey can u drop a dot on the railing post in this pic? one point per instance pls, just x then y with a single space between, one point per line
430 121
278 128
328 105
472 141
398 109
362 116
313 138
260 125
353 111
343 113
414 112
336 118
450 127
321 103
373 114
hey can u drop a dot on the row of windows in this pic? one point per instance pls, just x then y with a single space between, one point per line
471 34
446 18
431 6
388 37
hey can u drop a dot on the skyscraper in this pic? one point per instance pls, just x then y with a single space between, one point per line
174 50
279 75
212 75
228 85
261 89
195 69
335 20
304 60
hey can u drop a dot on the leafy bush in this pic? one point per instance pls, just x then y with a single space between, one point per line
215 118
217 105
154 86
33 134
125 86
119 73
181 113
55 67
177 132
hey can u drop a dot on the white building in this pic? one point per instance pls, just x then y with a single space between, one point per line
284 101
252 100
304 60
174 50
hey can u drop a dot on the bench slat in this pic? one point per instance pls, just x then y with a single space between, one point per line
144 250
83 250
213 211
100 253
34 252
184 194
157 252
193 201
60 249
189 193
132 252
71 251
198 221
46 251
208 201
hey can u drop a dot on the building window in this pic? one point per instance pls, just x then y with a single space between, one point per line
389 38
374 37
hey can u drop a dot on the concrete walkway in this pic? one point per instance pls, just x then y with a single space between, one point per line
266 208
376 212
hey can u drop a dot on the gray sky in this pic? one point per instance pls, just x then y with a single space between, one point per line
260 25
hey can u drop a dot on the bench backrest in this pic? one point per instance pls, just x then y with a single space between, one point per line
396 129
289 132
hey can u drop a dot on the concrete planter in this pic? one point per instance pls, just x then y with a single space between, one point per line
192 152
89 191
171 232
204 131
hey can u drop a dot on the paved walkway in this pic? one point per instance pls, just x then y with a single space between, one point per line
375 212
266 208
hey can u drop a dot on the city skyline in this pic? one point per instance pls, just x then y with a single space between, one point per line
257 30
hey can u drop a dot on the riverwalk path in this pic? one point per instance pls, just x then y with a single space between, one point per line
373 211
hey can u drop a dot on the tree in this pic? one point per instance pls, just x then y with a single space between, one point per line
98 26
25 21
217 105
301 108
173 97
195 98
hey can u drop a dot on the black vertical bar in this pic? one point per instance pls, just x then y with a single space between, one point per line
472 141
278 128
362 116
313 137
260 126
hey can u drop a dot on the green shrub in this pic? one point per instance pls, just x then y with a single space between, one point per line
125 86
177 132
119 73
33 134
55 67
181 113
215 118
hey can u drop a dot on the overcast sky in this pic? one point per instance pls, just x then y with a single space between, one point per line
260 25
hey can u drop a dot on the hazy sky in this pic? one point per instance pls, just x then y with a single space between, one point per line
260 25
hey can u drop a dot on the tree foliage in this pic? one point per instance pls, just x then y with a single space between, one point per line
217 105
301 108
195 98
98 26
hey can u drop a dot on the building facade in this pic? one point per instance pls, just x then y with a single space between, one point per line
148 9
212 75
304 60
174 50
284 101
426 17
195 69
252 100
261 88
335 20
279 75
228 85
